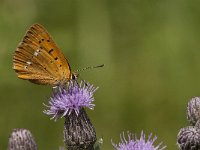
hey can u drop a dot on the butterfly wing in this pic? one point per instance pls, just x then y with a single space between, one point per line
39 60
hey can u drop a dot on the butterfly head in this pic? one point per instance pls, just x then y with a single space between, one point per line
74 76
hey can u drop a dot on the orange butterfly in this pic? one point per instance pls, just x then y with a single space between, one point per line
39 60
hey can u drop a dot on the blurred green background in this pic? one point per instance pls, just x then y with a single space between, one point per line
151 52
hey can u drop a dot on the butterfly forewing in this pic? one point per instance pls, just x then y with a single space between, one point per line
38 59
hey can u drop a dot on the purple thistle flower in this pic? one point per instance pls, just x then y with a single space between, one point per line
133 143
65 100
189 138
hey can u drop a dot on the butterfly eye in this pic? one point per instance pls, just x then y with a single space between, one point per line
74 76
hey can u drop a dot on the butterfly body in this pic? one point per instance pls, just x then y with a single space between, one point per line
39 60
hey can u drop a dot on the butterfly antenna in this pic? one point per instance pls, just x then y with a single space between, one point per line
91 67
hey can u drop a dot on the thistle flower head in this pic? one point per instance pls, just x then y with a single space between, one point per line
193 110
21 139
73 98
133 143
79 133
189 138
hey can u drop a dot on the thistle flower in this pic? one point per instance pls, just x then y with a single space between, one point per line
133 143
69 102
66 100
189 138
21 139
79 133
193 110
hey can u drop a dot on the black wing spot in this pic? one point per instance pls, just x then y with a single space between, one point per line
51 50
56 58
45 68
24 41
42 39
60 65
41 47
40 42
48 40
30 32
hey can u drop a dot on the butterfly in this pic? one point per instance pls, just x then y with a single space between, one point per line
39 60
